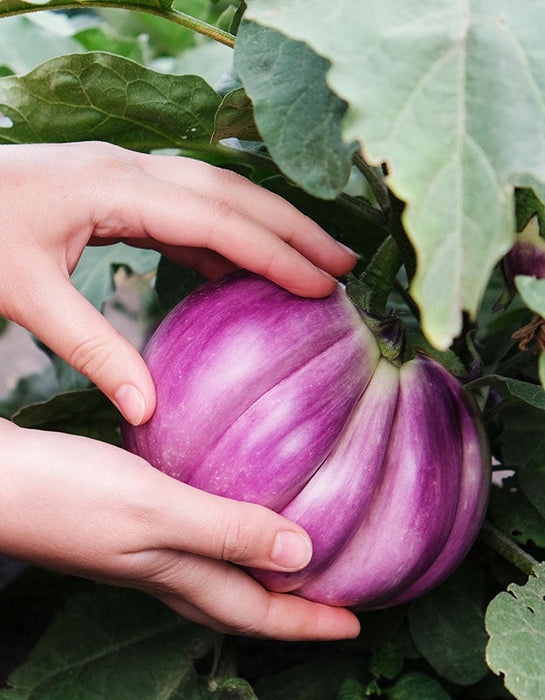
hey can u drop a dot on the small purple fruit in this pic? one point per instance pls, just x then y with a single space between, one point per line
527 255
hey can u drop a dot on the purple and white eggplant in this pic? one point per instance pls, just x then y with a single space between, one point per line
267 397
527 255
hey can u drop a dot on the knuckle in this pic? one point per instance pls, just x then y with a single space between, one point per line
90 355
223 211
262 623
237 540
222 178
268 265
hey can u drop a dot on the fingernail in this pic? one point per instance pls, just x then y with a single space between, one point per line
131 403
327 274
348 250
291 550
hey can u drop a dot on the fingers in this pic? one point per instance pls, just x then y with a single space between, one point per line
87 508
226 599
197 205
78 333
255 203
183 518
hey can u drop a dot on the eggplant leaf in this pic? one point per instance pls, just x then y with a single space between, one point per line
235 118
93 276
531 394
299 118
417 685
532 291
515 621
174 282
447 627
512 512
118 644
532 482
315 680
427 85
85 412
105 97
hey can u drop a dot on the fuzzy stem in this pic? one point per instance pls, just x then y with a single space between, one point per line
379 276
370 293
168 13
376 183
509 550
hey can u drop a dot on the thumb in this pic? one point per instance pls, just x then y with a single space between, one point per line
184 518
78 333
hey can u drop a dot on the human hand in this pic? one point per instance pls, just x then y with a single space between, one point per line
90 509
58 198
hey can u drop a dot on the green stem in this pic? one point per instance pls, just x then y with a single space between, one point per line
509 550
364 209
379 276
376 183
370 293
167 13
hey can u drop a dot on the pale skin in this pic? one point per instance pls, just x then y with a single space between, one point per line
90 509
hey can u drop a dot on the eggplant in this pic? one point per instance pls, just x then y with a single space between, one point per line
527 255
267 397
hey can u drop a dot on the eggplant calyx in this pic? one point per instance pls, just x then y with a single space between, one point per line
390 334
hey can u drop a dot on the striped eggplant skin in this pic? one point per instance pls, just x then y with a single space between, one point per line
330 506
283 401
429 507
472 500
253 385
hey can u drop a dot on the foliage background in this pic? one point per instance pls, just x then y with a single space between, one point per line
422 120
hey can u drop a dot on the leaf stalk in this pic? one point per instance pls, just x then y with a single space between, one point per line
168 13
509 550
377 280
376 183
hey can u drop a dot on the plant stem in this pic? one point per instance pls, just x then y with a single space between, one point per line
379 276
509 550
376 183
362 207
370 293
167 13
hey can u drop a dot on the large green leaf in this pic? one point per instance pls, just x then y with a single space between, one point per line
515 621
101 96
512 512
415 685
85 412
298 115
115 644
447 626
452 96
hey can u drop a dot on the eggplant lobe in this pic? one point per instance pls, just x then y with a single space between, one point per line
253 387
475 482
413 506
269 453
283 401
330 507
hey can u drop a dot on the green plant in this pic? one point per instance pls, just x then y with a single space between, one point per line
420 122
